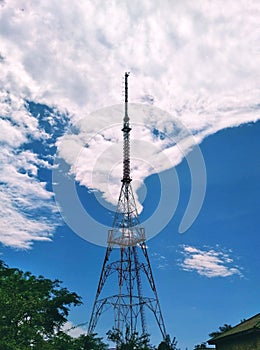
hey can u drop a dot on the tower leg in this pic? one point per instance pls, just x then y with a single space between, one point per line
98 307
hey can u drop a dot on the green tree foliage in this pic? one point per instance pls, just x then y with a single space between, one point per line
133 341
168 344
222 329
32 311
63 341
89 342
129 341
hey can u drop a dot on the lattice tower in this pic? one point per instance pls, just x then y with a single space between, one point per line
126 261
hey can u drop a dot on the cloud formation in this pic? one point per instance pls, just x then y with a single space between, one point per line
190 58
196 60
161 262
27 208
208 263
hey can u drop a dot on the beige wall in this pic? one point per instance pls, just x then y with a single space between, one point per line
249 342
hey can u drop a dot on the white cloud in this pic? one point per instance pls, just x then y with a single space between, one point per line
197 60
95 150
161 262
208 262
27 208
192 57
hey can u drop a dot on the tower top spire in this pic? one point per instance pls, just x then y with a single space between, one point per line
126 86
126 132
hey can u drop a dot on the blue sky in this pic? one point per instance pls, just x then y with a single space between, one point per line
195 92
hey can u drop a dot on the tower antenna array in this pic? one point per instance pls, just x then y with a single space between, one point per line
126 263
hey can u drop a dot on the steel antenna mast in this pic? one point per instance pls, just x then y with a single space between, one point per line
126 259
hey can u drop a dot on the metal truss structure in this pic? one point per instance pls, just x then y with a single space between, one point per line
126 261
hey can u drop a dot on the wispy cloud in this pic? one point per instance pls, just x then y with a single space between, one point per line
208 262
27 210
160 261
192 59
206 78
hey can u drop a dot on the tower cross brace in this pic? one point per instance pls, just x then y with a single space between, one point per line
126 261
